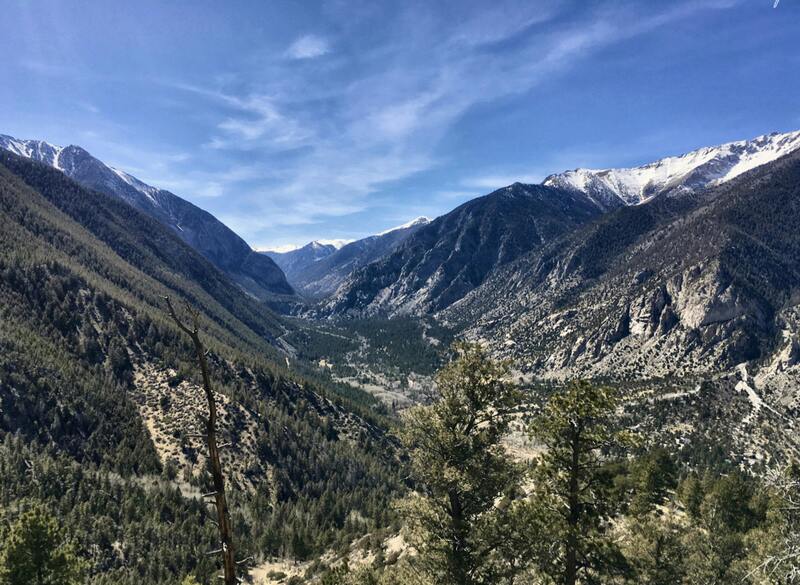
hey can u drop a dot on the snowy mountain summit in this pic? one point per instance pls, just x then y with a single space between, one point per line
78 164
416 222
37 150
705 167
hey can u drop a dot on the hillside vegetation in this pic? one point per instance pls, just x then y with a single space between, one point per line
87 358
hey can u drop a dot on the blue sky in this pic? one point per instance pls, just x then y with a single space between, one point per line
294 121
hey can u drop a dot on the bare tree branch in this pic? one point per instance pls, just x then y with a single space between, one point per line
223 516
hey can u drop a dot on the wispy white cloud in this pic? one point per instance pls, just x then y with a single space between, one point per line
89 107
354 126
262 125
308 47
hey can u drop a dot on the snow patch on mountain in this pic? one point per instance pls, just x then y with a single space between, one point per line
37 150
315 245
337 243
142 187
421 220
705 167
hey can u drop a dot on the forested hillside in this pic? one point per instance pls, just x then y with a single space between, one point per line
596 499
96 396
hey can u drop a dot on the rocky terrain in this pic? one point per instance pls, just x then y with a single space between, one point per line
671 287
457 252
173 408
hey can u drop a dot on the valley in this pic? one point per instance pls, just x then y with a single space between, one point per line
674 284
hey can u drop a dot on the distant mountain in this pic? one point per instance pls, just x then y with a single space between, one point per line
445 259
295 262
449 258
705 167
413 223
255 273
317 270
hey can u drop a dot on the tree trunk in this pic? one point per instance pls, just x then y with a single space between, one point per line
223 517
458 555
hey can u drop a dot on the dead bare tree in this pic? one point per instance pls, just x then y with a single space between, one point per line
223 517
781 564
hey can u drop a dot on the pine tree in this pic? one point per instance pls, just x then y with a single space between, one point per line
461 469
652 477
655 548
35 553
576 427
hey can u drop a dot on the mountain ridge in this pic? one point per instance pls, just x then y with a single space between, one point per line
446 258
255 273
317 270
395 286
697 169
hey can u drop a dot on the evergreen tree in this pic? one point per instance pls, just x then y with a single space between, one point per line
655 549
35 553
774 547
715 550
653 476
461 470
577 426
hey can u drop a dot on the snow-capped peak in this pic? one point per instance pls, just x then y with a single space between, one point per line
38 150
317 245
705 167
313 246
336 243
421 220
64 159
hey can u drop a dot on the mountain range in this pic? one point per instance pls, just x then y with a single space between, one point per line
678 281
675 286
318 269
591 271
454 254
255 273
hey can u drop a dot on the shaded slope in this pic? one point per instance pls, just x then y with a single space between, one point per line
254 272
